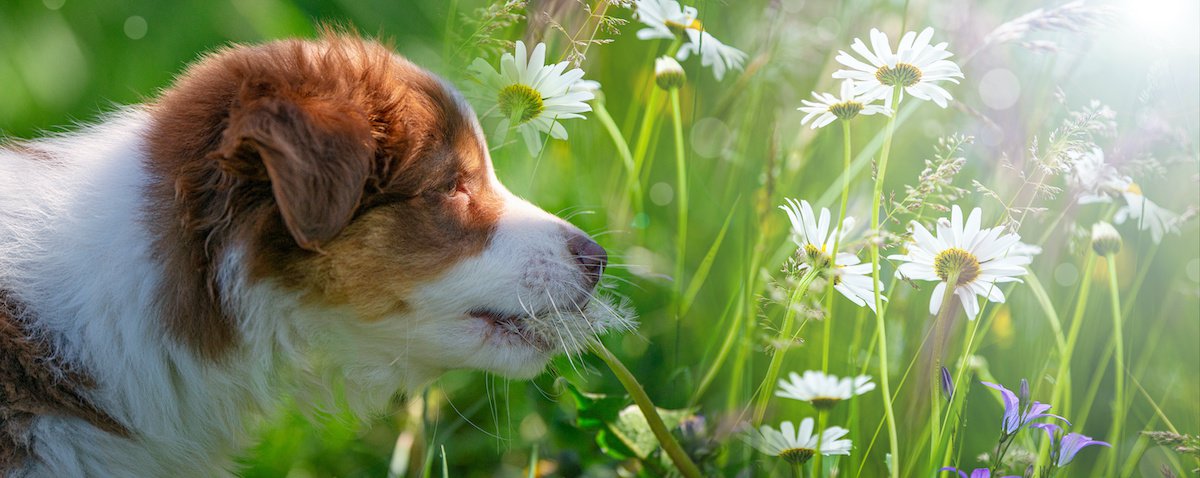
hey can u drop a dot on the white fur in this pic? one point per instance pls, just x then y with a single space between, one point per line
74 247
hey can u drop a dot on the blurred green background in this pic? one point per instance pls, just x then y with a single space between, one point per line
65 62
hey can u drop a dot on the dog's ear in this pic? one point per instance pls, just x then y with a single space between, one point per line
316 153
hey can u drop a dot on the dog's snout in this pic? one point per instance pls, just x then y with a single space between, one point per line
591 257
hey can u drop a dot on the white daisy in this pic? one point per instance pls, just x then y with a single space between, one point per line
851 277
1147 215
827 107
533 95
821 390
714 54
980 258
667 19
798 446
1100 182
916 66
1096 181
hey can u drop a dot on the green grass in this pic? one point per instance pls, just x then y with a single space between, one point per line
744 151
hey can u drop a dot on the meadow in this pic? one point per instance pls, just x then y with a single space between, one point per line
1018 290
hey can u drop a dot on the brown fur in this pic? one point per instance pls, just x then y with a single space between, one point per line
33 384
333 161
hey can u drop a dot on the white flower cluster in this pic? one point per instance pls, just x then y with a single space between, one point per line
916 67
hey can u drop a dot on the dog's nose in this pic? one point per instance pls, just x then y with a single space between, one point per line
591 257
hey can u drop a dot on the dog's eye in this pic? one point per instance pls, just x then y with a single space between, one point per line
457 186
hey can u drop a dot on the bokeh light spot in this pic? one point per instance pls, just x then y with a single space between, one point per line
1066 274
709 136
661 194
999 89
135 27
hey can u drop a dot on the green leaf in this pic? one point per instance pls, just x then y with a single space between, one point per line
595 410
634 431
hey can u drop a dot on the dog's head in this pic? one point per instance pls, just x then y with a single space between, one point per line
340 178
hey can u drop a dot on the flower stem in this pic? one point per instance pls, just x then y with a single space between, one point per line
1119 359
837 242
818 466
681 199
880 326
789 317
669 445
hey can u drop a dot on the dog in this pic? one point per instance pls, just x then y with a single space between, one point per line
299 218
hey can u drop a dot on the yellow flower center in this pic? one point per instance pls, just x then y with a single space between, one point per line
798 456
678 28
520 101
955 261
1134 188
817 256
846 109
902 74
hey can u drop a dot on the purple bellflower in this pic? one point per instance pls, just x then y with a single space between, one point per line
1067 446
977 473
1018 412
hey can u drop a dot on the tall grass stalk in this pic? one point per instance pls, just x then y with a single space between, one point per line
633 185
650 118
1063 378
665 439
881 326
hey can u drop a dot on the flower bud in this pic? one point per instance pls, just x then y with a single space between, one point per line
947 385
1105 239
668 73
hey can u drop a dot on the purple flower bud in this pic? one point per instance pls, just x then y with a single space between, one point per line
947 385
1024 391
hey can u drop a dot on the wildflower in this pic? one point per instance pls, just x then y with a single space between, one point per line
1096 181
821 390
976 473
1099 182
695 438
916 66
798 446
1105 239
976 259
667 19
1018 412
1063 448
1147 215
827 107
851 277
668 73
534 97
713 54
